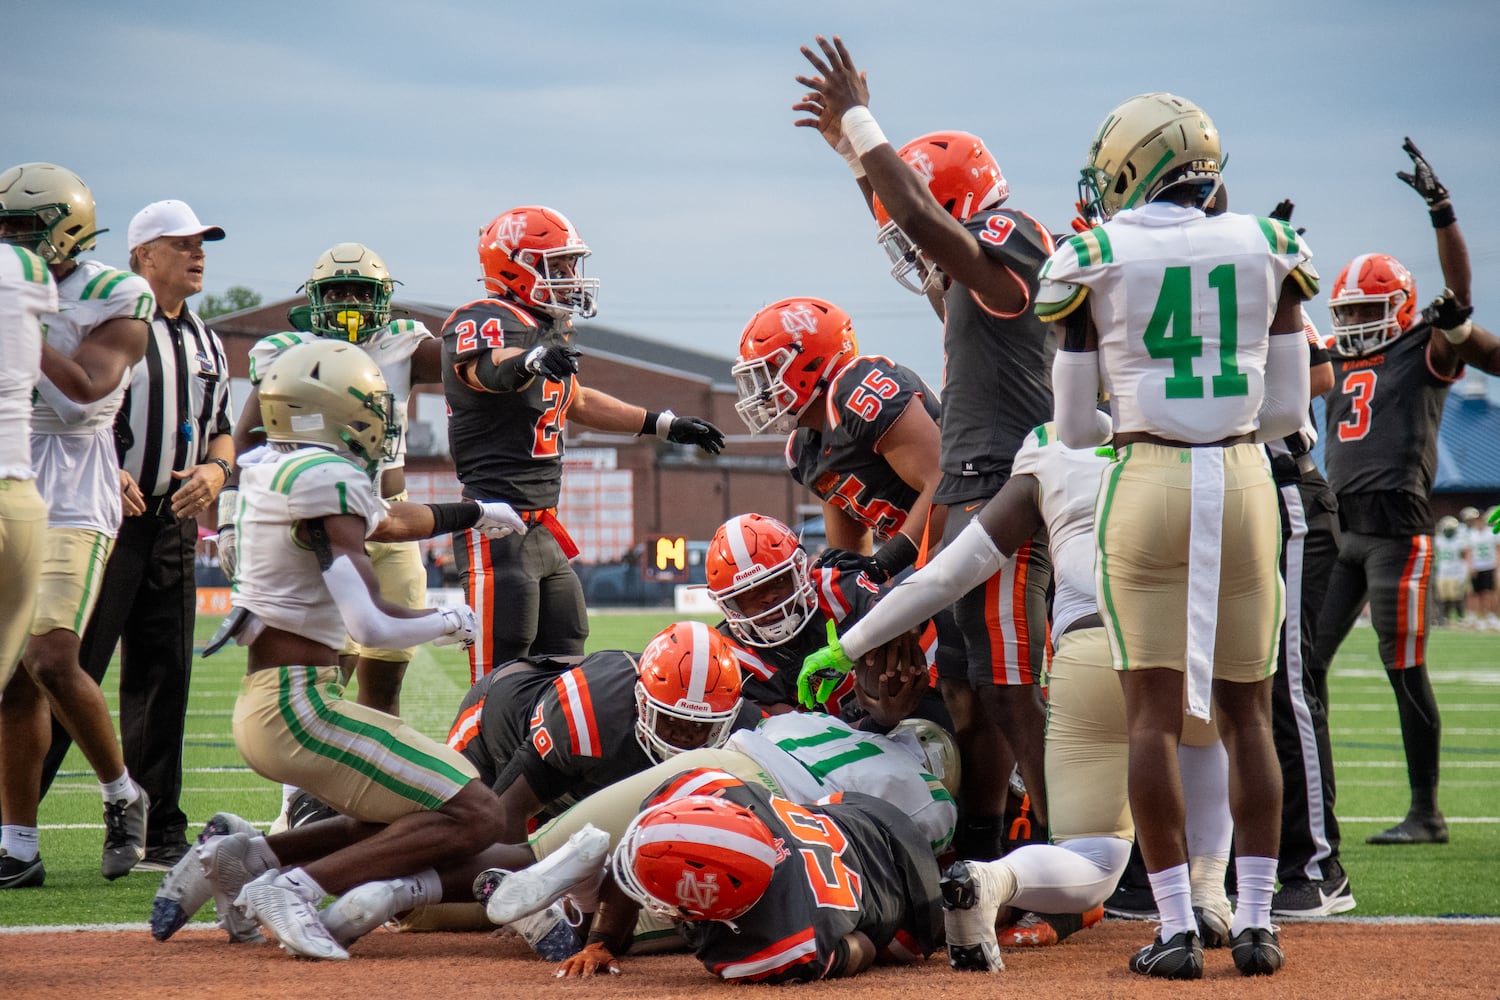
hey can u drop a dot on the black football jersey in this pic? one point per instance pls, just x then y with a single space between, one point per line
997 370
857 864
1380 435
506 445
839 463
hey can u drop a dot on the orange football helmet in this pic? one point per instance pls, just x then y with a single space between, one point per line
788 352
758 576
697 858
962 176
688 691
534 256
1372 279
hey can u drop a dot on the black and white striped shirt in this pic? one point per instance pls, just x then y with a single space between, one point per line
177 402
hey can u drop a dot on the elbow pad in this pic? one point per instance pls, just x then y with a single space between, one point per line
1287 387
1075 399
507 376
963 564
367 624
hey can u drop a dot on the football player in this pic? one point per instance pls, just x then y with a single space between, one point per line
349 299
862 431
940 199
93 339
303 583
1190 385
1055 487
1481 569
1393 367
509 375
1450 569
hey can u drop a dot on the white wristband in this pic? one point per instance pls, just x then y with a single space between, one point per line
862 131
1459 333
664 423
850 157
228 497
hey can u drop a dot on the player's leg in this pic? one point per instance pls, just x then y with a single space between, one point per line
562 625
1399 570
1342 603
23 538
501 583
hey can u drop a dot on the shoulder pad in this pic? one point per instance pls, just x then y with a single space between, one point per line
509 315
268 349
1012 237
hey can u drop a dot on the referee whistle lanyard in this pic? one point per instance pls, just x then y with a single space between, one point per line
1205 534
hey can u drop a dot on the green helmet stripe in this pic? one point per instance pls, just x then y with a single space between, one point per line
1145 183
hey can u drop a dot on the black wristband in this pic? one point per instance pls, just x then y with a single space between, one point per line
223 465
506 376
896 554
1442 216
648 426
450 517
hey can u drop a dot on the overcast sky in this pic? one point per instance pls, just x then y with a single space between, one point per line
663 130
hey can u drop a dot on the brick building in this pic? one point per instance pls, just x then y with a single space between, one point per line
617 489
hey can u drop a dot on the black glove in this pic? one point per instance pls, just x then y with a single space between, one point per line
553 361
1445 313
1421 179
1283 213
694 430
892 557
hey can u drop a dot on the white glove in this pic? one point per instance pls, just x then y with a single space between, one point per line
228 540
498 519
461 627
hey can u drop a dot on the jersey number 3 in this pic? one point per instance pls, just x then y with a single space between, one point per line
1359 387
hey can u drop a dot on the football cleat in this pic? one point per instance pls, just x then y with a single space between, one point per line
186 888
364 908
513 895
292 920
971 902
1180 957
124 834
1257 951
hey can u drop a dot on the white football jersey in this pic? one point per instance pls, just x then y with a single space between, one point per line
1068 486
277 577
1448 556
73 446
1183 304
27 294
390 347
1481 547
812 756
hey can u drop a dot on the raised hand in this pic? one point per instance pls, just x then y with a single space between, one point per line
839 85
1283 213
1421 179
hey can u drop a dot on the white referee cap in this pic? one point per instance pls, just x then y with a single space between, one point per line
167 218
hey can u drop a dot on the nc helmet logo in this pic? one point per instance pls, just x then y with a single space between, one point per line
697 895
921 163
797 320
509 230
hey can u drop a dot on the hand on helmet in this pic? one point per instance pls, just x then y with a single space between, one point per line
1421 179
552 361
694 430
1283 213
822 672
460 627
498 519
839 86
594 959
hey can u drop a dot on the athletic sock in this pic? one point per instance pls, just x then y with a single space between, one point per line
20 842
121 788
1255 881
1174 900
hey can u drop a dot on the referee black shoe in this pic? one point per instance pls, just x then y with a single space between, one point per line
1178 957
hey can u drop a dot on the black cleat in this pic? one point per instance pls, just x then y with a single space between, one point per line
17 874
1180 957
1257 951
1431 828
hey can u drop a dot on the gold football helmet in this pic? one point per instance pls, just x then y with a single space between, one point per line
330 394
349 292
48 210
1146 145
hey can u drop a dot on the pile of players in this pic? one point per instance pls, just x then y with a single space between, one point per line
1115 488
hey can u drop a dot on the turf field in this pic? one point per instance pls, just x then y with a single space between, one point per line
1423 881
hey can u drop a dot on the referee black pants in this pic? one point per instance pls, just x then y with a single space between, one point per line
147 606
1309 549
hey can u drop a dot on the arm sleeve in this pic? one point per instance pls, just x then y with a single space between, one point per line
366 622
1287 381
1075 399
963 564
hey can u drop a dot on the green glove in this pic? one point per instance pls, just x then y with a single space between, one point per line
1494 526
827 667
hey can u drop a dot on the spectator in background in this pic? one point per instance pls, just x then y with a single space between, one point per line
173 437
1483 605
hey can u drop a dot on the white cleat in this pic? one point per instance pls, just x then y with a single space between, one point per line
228 864
971 903
292 920
521 893
364 908
186 888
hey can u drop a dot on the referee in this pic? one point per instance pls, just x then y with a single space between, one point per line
173 434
